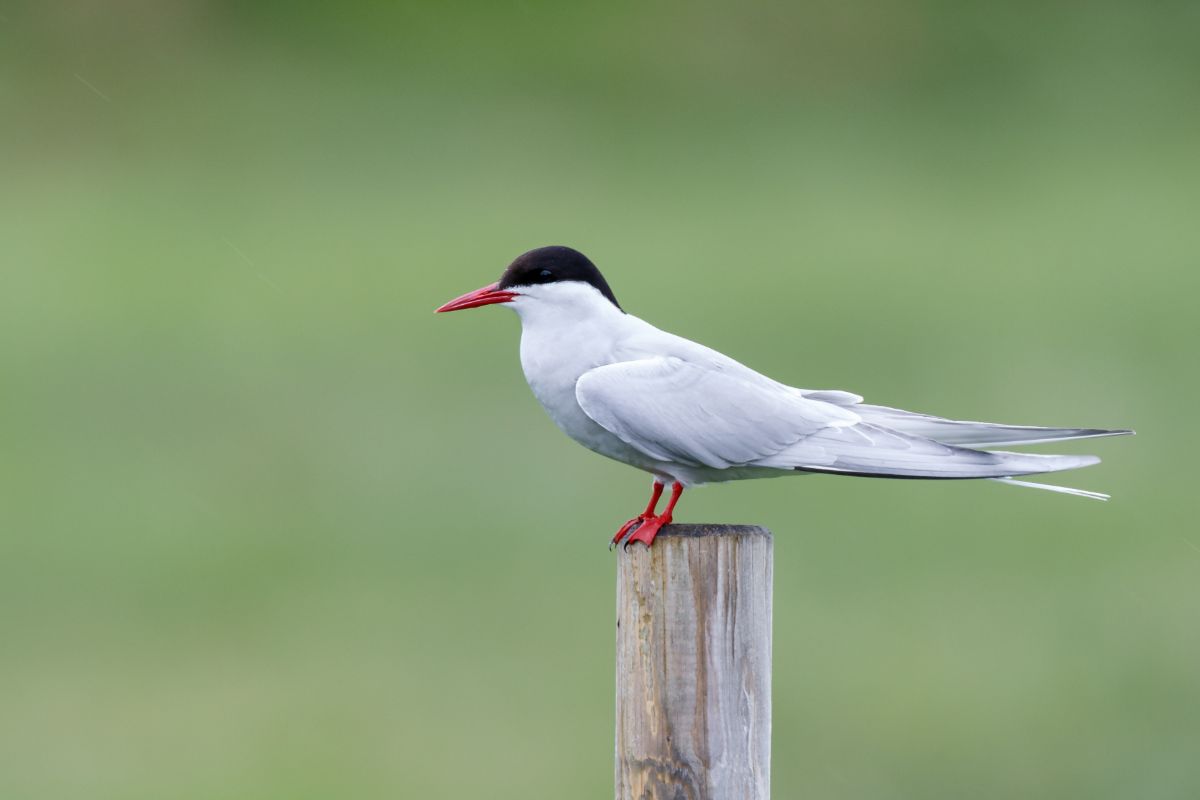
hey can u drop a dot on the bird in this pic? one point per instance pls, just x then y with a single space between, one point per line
690 415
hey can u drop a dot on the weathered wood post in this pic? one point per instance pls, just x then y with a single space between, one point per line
694 665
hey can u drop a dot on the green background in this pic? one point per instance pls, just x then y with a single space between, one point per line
271 529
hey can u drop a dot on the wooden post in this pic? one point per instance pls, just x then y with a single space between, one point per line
694 665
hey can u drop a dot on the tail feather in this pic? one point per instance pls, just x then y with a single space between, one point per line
1052 488
973 434
869 450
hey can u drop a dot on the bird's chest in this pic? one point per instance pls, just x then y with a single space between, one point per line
552 366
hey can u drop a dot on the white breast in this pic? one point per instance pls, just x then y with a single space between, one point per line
566 330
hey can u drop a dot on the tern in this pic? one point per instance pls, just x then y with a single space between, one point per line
689 415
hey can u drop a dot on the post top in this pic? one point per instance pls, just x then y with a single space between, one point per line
696 530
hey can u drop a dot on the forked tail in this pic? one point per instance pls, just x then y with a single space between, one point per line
1052 488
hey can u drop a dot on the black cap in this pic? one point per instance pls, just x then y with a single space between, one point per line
553 264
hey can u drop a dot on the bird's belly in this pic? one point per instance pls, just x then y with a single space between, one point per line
552 366
558 398
560 403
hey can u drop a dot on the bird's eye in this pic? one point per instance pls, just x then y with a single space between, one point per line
545 274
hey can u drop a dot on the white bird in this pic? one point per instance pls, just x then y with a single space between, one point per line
689 415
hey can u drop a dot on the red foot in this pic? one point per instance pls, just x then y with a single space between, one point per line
648 530
626 528
645 526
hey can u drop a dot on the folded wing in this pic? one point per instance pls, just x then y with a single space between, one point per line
678 411
975 434
675 410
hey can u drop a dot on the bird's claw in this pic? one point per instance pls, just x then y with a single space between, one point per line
648 530
645 526
625 529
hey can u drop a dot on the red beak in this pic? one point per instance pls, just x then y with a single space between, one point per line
480 297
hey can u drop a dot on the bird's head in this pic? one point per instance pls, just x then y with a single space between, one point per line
548 278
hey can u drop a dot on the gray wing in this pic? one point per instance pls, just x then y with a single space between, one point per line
678 411
871 450
675 410
974 434
954 431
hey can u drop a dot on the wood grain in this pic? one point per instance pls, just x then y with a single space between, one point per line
694 665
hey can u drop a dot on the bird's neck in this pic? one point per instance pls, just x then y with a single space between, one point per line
559 343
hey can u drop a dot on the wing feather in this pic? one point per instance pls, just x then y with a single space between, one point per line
973 434
721 416
675 410
872 450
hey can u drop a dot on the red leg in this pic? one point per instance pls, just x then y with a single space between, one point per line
650 528
640 518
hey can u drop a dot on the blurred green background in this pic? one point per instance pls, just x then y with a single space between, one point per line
271 529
